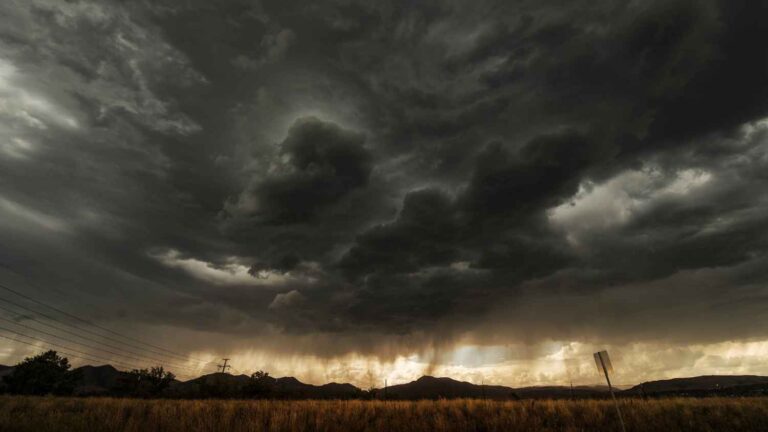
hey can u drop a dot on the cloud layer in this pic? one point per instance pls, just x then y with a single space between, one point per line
389 176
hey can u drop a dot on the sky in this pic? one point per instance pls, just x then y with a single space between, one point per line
368 190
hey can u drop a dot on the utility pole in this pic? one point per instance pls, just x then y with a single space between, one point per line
225 366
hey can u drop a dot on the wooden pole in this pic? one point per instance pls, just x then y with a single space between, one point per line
610 388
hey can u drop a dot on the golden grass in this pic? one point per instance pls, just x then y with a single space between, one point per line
42 414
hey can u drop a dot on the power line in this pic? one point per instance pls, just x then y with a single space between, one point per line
64 352
82 329
15 322
64 339
90 323
183 357
141 357
88 356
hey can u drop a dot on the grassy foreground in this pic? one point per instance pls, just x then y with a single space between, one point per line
41 414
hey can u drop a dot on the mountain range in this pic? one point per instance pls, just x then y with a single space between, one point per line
102 380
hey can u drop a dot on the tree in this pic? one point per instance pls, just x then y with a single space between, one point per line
259 385
46 373
146 382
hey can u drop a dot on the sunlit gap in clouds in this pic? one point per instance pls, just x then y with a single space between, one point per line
613 203
230 273
28 107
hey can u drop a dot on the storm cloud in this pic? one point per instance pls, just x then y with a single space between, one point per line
389 175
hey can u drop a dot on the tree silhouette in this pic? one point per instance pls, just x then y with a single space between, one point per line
146 382
46 373
259 385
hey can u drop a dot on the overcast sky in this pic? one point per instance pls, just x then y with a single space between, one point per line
353 190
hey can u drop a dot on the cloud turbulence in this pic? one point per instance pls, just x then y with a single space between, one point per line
384 180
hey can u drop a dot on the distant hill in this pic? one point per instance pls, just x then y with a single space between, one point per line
97 380
428 387
699 385
291 387
226 385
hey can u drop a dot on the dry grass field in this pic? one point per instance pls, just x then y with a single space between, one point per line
41 414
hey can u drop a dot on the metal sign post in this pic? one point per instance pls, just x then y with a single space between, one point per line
604 365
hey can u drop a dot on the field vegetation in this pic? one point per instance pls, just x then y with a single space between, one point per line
50 413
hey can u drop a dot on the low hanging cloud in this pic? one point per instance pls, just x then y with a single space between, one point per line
287 300
231 273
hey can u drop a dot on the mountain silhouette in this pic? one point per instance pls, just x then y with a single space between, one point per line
105 380
98 380
428 387
226 385
699 385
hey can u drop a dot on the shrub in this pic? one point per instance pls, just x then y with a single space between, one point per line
46 373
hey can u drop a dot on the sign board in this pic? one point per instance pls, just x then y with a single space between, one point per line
604 366
606 361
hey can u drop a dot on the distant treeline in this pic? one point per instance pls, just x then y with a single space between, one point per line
50 373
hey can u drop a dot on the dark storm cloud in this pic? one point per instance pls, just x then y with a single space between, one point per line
325 163
424 235
545 171
507 194
377 168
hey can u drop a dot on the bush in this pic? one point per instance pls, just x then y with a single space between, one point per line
260 385
145 383
46 373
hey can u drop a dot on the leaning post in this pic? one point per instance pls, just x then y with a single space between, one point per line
603 363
